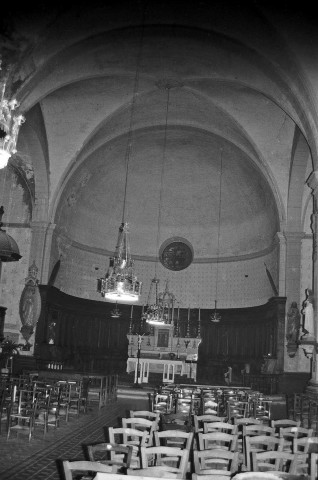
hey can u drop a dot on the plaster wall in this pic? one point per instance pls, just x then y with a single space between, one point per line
240 283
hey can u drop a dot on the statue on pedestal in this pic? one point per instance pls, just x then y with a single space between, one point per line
293 323
308 312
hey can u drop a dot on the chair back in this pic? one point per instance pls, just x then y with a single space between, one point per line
82 466
145 414
246 421
160 471
142 424
261 443
219 440
113 454
174 438
174 458
129 436
220 427
290 433
305 445
215 462
198 421
284 423
274 462
258 430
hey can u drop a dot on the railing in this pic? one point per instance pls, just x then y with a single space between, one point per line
265 383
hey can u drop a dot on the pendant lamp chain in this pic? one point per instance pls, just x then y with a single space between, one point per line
216 317
161 312
120 282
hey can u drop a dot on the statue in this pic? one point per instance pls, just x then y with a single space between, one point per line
308 311
293 323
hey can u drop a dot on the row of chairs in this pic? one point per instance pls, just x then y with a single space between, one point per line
90 467
175 454
304 408
27 403
221 402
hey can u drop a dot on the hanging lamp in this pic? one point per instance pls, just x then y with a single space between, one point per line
216 317
120 282
161 311
9 250
115 313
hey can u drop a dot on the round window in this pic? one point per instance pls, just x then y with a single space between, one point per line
176 254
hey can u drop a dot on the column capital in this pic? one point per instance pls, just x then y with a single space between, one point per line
312 182
42 225
293 236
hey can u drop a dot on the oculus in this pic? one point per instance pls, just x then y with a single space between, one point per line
176 254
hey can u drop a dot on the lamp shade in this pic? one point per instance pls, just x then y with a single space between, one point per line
9 250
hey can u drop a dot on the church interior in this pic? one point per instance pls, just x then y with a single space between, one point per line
168 149
197 132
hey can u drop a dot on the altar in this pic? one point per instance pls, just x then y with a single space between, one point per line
178 357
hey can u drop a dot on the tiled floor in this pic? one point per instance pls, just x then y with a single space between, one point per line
40 458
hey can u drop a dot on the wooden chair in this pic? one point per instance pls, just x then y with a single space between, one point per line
246 421
41 413
132 437
64 399
215 462
196 476
199 420
210 406
255 430
259 429
174 438
84 467
144 414
22 413
274 462
142 424
284 423
162 403
290 433
113 454
160 471
4 406
261 443
314 466
174 458
218 440
237 409
220 427
305 445
266 476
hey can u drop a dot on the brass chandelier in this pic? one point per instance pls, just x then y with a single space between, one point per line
120 282
9 125
159 313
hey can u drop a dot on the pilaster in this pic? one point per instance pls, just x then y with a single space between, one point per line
39 252
313 184
282 264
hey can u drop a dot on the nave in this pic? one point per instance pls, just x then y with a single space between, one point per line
39 458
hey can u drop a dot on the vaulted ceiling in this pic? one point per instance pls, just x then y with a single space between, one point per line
98 84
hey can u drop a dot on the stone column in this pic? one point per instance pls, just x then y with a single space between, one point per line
313 184
282 264
47 253
293 264
39 229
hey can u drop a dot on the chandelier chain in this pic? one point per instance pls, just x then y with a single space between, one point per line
132 112
162 176
219 227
